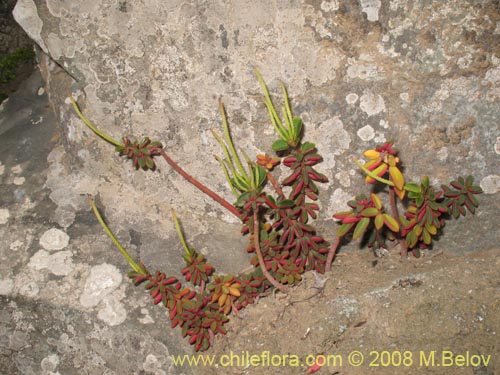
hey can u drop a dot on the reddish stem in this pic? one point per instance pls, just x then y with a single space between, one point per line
262 264
393 204
395 214
275 184
200 186
331 254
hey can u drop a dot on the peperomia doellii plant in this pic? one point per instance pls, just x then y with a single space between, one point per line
426 212
282 239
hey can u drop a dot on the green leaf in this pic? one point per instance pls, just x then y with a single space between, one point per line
411 239
413 187
261 174
370 212
419 201
287 203
241 199
426 237
307 146
141 162
469 180
425 182
344 228
361 227
297 127
280 145
391 223
149 162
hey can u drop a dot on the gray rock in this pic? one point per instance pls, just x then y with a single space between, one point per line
359 73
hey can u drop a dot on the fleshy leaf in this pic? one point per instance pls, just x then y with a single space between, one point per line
344 228
397 177
361 227
391 223
280 145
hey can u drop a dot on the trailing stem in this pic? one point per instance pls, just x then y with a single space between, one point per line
395 215
275 184
199 185
331 254
139 268
262 264
91 126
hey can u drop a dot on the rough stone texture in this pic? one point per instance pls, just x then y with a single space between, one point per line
65 307
425 74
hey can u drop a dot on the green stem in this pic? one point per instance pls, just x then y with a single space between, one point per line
179 232
373 175
92 127
135 266
229 141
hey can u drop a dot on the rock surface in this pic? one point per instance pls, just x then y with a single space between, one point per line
425 74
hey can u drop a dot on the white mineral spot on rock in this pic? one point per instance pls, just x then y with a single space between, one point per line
37 121
113 313
379 137
16 245
351 98
4 215
54 239
60 263
6 287
29 290
146 319
490 184
442 154
50 362
329 6
103 280
65 216
338 201
19 181
371 103
364 70
152 365
16 169
384 124
343 178
41 91
331 135
371 8
366 133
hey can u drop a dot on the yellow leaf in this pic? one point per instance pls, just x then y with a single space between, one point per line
376 201
379 221
391 223
400 193
397 177
234 291
215 297
371 154
222 299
